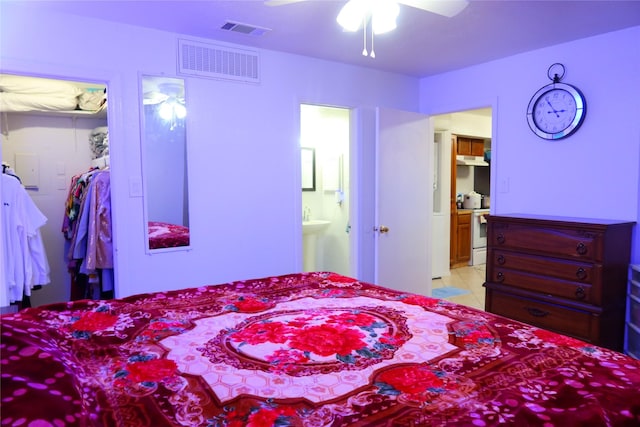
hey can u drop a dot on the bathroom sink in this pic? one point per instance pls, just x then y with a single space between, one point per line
314 226
312 241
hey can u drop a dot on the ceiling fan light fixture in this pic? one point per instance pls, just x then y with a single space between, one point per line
165 111
383 16
180 111
351 15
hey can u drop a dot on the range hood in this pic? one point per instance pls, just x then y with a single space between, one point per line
471 161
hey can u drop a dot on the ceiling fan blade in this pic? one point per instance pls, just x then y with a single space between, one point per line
446 8
281 2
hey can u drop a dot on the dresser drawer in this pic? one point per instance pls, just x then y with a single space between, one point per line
580 272
544 285
571 243
577 323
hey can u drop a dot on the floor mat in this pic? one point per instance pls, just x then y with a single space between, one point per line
448 291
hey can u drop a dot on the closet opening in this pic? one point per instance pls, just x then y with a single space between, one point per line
55 145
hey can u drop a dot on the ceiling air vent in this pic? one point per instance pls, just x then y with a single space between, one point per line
238 27
217 62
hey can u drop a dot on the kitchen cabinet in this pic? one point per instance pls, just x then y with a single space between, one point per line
462 241
470 146
567 275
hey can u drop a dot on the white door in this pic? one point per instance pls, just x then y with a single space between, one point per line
404 201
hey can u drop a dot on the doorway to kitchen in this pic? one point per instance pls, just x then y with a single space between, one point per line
324 143
465 139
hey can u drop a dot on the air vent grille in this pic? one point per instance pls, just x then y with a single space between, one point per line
239 27
218 62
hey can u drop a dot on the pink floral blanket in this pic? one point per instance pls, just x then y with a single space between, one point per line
165 235
312 349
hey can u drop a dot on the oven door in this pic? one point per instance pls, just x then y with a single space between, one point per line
478 230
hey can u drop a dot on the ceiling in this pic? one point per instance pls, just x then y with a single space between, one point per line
423 44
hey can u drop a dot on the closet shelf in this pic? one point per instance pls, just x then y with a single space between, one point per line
102 114
51 97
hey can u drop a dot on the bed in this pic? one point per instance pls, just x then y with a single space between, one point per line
166 235
308 349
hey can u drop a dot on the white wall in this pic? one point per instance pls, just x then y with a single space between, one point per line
243 142
593 173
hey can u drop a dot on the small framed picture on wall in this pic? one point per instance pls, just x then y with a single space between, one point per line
308 158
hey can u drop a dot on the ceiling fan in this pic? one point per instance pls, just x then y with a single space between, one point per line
382 14
448 8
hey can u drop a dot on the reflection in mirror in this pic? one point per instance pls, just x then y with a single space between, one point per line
164 152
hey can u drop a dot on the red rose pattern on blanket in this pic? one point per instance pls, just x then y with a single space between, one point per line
312 349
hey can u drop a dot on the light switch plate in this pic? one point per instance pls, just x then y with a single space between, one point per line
135 187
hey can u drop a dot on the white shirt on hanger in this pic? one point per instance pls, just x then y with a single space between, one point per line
25 260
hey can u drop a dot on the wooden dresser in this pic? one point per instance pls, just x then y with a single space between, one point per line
568 275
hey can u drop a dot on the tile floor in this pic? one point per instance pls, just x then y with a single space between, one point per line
470 278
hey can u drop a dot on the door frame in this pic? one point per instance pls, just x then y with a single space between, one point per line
115 123
493 171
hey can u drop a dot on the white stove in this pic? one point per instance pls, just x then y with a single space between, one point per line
478 237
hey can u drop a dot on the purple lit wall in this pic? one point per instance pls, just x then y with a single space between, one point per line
243 141
593 173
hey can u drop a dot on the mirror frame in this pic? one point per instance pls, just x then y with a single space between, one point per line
308 168
145 167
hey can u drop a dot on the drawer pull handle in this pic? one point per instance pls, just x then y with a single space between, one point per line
500 277
581 273
501 260
500 238
537 312
580 293
581 248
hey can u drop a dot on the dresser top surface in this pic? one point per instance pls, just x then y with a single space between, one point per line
576 220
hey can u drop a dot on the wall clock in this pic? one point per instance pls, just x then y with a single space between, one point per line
558 109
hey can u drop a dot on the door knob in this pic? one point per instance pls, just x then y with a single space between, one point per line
382 229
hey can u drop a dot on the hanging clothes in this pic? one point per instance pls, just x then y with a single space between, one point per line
25 259
87 228
87 225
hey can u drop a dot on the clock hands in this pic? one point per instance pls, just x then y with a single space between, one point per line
554 110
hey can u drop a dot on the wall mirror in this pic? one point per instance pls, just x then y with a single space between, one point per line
165 168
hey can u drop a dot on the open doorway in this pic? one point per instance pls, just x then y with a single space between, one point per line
324 142
465 178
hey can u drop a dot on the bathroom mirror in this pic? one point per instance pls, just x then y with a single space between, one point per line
308 159
165 168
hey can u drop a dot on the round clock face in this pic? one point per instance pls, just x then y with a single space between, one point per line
556 111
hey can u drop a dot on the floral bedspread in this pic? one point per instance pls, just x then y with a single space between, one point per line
312 349
165 235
